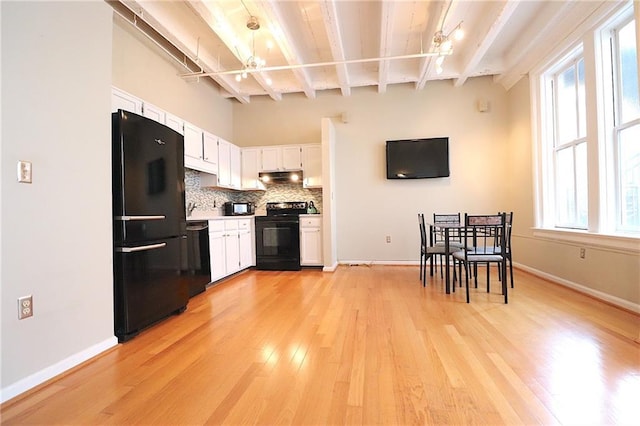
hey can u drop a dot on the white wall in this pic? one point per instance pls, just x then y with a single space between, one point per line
610 274
56 232
144 70
370 207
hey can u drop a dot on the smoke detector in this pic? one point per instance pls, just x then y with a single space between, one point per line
253 23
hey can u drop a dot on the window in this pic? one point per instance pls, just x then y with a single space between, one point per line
589 133
569 145
626 128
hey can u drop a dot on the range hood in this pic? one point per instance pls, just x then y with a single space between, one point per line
292 176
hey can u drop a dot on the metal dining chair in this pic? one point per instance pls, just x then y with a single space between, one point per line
484 238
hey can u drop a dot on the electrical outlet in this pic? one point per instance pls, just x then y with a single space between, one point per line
388 238
24 171
583 253
25 307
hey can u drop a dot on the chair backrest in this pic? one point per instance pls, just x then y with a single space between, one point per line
423 232
508 227
486 233
437 235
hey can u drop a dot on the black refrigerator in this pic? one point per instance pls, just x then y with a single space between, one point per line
149 223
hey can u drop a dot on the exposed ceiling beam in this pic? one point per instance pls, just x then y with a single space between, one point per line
330 19
495 25
270 9
166 27
215 18
434 22
386 36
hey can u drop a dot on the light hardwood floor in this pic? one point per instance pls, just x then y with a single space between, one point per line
363 345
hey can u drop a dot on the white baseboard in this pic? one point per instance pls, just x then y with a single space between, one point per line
625 304
52 371
331 268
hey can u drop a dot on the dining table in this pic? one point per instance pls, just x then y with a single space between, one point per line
446 227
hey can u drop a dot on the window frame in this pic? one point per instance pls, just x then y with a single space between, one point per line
600 154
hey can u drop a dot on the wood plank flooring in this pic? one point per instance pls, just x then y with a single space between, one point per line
363 346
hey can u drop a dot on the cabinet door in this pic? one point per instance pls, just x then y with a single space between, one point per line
312 166
217 255
153 112
235 167
224 163
291 158
174 123
232 251
192 141
246 249
249 168
210 150
269 159
125 101
310 246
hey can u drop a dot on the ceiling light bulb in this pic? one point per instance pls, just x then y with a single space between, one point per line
244 74
458 34
439 61
438 69
445 46
269 44
268 81
238 78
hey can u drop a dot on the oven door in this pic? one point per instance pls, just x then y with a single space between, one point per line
278 243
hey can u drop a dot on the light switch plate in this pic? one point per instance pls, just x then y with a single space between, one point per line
24 171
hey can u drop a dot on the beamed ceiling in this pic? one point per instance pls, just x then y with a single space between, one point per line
310 46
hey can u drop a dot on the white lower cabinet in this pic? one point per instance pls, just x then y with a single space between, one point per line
311 240
231 245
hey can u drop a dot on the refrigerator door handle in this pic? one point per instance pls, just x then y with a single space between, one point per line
140 248
140 218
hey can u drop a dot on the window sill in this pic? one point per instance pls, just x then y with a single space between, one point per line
625 244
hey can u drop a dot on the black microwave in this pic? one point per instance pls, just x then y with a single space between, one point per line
238 209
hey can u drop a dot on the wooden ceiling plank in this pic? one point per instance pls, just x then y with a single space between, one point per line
332 27
270 9
386 36
491 33
427 65
215 18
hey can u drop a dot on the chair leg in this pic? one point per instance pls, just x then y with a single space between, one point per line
466 282
510 270
488 272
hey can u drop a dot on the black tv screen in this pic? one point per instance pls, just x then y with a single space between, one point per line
418 158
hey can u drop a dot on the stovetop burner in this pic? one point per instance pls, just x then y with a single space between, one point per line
286 208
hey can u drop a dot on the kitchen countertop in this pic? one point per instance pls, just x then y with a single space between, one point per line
213 215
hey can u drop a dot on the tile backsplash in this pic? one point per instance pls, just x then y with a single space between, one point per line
210 198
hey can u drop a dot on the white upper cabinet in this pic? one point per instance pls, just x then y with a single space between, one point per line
280 158
153 112
250 166
312 166
192 141
224 163
210 150
174 123
236 179
125 101
291 158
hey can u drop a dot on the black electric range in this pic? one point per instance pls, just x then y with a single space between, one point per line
278 236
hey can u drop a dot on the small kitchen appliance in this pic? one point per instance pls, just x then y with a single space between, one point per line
232 208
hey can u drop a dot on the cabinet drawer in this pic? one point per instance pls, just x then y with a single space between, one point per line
310 222
244 224
216 225
231 225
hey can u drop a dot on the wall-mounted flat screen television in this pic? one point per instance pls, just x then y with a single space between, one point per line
418 158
